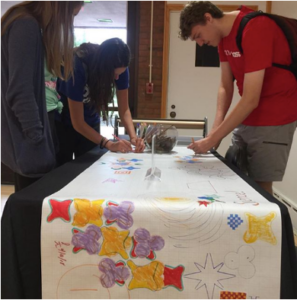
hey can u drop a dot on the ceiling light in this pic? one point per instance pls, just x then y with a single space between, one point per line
105 20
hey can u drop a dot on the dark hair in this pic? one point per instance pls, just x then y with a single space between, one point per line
56 20
194 14
101 61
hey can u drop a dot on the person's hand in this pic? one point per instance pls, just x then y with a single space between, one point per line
139 144
120 146
202 146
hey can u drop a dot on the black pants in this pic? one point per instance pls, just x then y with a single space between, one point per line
71 142
21 182
51 119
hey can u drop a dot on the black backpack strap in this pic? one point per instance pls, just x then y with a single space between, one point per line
242 25
288 27
289 68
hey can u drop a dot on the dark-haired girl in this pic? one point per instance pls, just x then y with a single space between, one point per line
99 71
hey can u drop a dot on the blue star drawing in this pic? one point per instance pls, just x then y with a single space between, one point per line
135 160
131 168
188 157
209 276
122 163
211 198
190 160
193 162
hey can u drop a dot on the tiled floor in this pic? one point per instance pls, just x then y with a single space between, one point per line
6 191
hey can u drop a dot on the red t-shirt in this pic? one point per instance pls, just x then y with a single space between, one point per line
263 43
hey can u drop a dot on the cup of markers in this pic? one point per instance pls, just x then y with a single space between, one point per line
165 140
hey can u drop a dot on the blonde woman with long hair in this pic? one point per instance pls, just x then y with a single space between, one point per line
32 32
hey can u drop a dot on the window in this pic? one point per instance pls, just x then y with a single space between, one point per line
97 35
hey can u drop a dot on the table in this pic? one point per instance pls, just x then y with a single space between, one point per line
21 266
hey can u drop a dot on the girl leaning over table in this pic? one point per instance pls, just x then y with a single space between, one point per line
31 32
98 71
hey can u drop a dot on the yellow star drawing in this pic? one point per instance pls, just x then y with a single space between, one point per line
260 228
149 276
115 242
87 212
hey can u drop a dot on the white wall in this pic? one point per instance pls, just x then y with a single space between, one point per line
5 5
198 86
288 187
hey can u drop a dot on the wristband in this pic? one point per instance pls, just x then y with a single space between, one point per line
101 142
106 143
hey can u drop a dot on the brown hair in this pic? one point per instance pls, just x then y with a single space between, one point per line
56 21
194 14
101 61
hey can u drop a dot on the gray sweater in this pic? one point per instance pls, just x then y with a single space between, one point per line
26 143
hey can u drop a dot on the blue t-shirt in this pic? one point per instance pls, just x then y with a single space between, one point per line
79 91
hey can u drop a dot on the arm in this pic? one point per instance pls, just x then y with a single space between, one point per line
77 118
225 94
126 118
249 101
24 39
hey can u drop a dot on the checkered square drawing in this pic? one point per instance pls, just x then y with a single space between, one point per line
232 296
234 221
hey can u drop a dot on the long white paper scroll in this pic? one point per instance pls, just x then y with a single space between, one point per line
200 232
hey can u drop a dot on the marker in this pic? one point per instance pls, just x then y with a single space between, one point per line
116 137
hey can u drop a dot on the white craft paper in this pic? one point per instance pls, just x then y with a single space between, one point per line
219 235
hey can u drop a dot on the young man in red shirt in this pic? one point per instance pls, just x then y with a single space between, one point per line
264 120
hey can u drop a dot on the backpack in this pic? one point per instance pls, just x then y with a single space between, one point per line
289 28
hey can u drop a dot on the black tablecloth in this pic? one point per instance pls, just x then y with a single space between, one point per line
21 221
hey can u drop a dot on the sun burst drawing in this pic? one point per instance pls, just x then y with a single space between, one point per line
209 276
